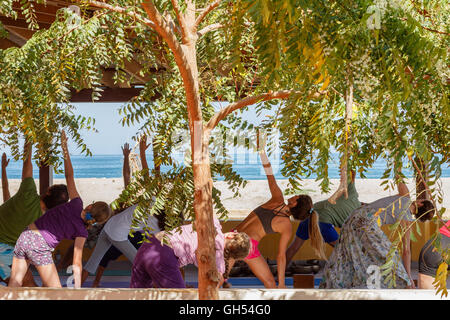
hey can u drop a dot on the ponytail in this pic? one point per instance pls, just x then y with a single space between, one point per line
226 274
315 235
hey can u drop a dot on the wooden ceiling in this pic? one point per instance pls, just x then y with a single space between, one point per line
19 33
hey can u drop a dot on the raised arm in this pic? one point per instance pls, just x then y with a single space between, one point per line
281 257
142 148
68 169
401 186
126 164
402 189
5 185
275 190
342 188
27 169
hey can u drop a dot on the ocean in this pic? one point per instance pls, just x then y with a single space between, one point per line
248 166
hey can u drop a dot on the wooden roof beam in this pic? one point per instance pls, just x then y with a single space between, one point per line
133 68
6 43
108 95
21 23
48 8
17 36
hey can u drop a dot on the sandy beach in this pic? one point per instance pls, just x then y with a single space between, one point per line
253 194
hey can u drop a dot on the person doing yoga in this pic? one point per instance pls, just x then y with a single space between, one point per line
274 217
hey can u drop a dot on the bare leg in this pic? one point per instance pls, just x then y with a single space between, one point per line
84 275
98 277
425 282
261 270
18 271
49 276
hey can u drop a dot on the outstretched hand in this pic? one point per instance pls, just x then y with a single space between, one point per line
143 143
126 150
5 160
64 143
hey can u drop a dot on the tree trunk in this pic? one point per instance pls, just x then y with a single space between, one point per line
185 55
208 276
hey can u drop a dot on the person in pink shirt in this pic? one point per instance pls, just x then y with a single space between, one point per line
159 259
430 258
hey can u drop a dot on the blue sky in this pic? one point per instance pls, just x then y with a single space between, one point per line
112 135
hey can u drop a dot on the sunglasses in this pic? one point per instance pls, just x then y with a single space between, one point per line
89 217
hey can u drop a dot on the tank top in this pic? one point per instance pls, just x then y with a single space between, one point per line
266 216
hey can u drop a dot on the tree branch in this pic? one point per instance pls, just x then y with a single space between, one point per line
209 28
181 21
174 28
429 29
205 12
102 5
164 30
220 115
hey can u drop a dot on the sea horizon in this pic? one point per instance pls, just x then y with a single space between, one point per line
248 166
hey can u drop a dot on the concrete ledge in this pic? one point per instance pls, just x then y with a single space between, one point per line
225 294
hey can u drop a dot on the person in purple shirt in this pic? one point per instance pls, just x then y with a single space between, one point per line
158 265
23 208
66 221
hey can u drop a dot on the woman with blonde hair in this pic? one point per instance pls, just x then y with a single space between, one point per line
159 259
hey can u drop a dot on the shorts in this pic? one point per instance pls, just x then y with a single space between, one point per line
254 251
6 258
33 247
327 230
430 260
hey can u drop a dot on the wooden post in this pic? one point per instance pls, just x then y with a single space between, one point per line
45 177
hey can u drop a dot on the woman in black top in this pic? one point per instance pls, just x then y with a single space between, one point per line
274 217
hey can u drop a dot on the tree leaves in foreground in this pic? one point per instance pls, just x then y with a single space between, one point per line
317 50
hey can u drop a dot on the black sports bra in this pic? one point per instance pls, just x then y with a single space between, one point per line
266 216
